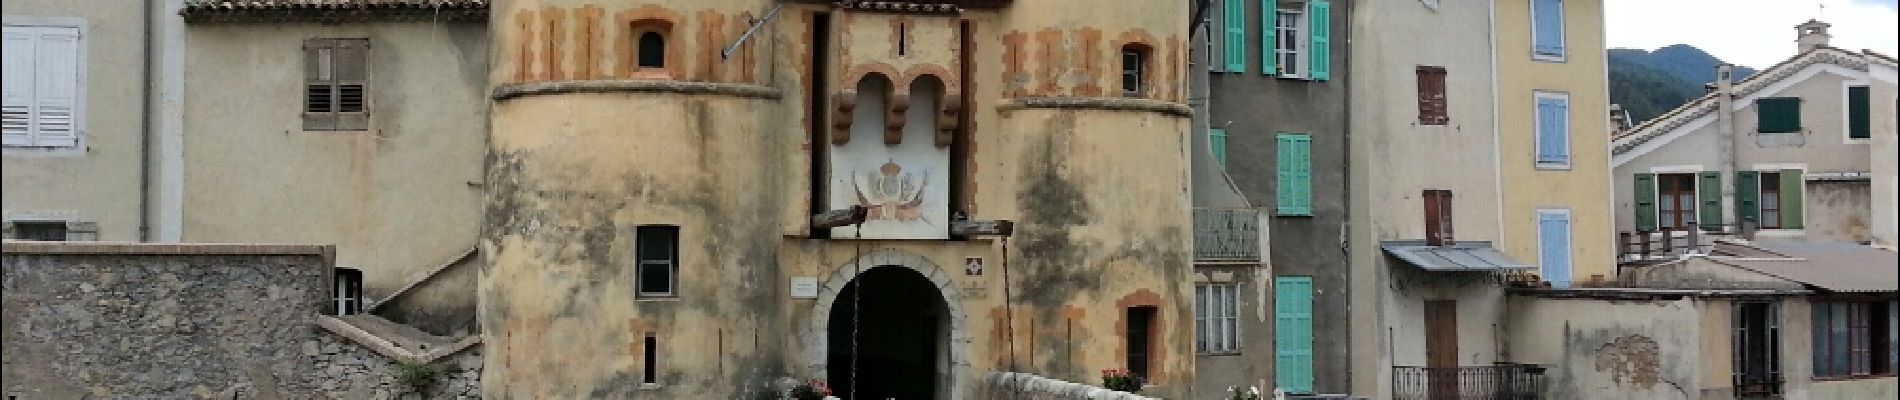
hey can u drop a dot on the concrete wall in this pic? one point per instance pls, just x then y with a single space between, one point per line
1393 158
1096 185
1885 145
116 320
1581 187
1254 108
1640 349
98 181
1840 211
1702 273
397 200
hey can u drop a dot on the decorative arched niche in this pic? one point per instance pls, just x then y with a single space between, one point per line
888 160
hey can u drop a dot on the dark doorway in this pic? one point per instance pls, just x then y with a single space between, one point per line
1139 335
902 336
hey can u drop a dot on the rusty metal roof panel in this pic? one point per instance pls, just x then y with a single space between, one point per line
1459 256
1836 267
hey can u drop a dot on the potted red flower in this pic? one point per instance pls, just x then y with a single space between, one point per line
1121 380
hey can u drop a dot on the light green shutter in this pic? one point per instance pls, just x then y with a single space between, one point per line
1710 206
1236 43
1645 200
1320 16
1293 193
1218 139
1269 11
1293 333
1748 197
1793 189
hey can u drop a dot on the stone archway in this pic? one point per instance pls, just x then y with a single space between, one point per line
954 364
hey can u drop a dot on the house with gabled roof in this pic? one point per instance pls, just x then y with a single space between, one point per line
1785 153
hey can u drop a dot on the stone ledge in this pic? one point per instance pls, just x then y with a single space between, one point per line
1097 103
515 90
389 349
170 249
1015 385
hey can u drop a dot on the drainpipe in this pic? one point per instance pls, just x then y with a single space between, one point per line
145 129
1725 129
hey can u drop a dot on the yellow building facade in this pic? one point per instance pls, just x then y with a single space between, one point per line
653 169
1553 138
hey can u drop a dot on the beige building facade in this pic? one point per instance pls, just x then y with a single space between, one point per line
654 168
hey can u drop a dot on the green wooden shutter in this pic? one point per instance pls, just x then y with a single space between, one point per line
1710 192
1293 333
1236 43
1218 139
1319 15
1645 200
1293 193
1269 12
1778 115
1748 197
1859 122
1793 189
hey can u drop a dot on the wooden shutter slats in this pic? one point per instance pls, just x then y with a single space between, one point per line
1433 109
336 84
1709 208
1438 217
1793 189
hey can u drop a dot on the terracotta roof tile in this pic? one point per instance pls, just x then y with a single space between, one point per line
333 10
1668 121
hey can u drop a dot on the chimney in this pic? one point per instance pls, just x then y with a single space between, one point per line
1811 35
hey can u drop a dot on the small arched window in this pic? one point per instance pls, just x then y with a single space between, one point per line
1134 69
652 49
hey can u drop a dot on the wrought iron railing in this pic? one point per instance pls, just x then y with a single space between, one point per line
1498 382
1226 234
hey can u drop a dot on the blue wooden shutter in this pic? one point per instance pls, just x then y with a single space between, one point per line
1549 32
1554 248
1293 333
1293 191
1319 30
1236 43
1269 38
1218 139
1553 130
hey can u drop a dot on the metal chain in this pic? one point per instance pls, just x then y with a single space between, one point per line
857 291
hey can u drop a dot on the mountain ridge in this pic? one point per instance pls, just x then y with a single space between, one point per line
1648 83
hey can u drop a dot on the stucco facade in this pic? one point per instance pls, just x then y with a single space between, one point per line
93 186
399 199
1394 157
588 143
1580 185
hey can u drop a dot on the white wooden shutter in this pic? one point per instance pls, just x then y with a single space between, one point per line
16 109
56 94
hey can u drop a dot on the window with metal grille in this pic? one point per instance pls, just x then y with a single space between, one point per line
1216 318
1433 109
336 77
1853 338
346 294
658 260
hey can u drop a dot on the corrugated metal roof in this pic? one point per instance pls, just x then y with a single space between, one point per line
1837 267
1460 256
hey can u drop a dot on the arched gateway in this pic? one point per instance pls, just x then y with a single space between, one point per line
913 338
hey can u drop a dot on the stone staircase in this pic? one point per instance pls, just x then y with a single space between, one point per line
395 340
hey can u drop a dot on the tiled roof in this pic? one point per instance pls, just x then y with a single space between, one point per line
1668 121
334 10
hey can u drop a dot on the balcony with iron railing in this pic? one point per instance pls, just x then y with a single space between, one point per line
1226 235
1504 381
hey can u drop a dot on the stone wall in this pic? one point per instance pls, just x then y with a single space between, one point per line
113 320
1021 386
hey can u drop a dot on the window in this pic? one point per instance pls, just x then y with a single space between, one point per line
41 106
1235 41
1134 62
1293 191
1217 138
346 294
1778 115
1770 200
1756 349
1859 122
652 50
46 231
1675 201
1216 318
650 371
335 75
658 248
1287 36
1293 333
1553 130
1438 217
1432 106
1854 338
1296 40
1553 247
1547 32
1208 29
1138 339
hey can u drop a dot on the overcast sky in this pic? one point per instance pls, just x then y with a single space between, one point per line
1754 33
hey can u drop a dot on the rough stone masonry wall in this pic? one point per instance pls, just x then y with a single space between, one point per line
105 320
